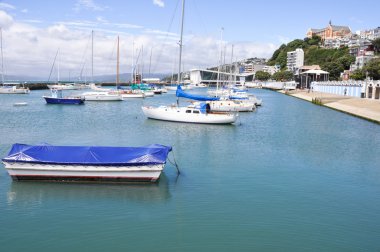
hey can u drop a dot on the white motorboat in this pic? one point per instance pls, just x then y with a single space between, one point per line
14 90
195 113
101 96
231 105
86 163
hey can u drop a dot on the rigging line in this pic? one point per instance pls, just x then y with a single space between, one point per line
84 58
166 37
52 67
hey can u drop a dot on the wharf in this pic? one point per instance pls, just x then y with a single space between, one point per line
368 109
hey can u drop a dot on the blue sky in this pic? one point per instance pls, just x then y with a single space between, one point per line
34 30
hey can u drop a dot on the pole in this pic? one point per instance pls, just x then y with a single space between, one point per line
2 57
117 63
92 56
180 48
220 60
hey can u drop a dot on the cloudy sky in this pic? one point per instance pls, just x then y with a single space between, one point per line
33 31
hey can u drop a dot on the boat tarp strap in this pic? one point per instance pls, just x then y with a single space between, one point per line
88 155
181 93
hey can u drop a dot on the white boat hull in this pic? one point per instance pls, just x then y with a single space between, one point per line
231 105
178 114
14 90
101 96
73 173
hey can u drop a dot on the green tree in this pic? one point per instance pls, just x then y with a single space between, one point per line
358 74
262 76
376 45
315 40
346 61
373 68
283 76
334 68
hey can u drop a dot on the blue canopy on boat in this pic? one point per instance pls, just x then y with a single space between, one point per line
181 93
88 155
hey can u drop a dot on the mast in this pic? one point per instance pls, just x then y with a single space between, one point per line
220 60
150 60
92 56
59 56
133 58
117 63
232 59
2 56
180 43
180 48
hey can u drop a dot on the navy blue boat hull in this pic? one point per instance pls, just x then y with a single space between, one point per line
68 101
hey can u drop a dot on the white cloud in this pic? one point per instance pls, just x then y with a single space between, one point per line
159 3
24 11
7 6
5 20
89 5
74 40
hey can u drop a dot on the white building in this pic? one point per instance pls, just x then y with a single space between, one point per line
362 60
271 69
371 34
253 68
295 60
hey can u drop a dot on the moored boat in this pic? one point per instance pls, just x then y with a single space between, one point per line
86 163
58 98
195 113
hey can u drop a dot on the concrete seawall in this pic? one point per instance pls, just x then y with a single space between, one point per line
368 109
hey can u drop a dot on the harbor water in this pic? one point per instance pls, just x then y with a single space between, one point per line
291 176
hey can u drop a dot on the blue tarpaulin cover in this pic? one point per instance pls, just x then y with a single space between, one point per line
88 155
181 93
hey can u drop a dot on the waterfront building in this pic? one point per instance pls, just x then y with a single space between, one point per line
295 60
362 89
330 32
203 76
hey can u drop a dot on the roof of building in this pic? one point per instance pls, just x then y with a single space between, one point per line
339 28
316 30
312 67
315 72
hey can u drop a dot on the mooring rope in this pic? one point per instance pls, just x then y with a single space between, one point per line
175 163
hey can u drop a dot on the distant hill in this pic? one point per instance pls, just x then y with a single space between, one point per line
332 60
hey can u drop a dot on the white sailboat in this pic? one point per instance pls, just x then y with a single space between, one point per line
199 113
101 94
10 88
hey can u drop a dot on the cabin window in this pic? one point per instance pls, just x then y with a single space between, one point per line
196 112
188 111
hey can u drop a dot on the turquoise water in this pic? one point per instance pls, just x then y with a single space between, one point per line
291 176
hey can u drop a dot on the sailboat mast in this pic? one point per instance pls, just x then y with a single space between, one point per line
220 59
59 56
92 56
2 56
180 43
117 63
232 59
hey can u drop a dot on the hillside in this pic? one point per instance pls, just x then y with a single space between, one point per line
332 60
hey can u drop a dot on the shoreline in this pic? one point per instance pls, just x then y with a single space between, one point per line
367 109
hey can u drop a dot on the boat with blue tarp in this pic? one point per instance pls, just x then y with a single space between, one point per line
86 163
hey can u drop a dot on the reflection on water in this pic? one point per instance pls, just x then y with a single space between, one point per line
39 192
